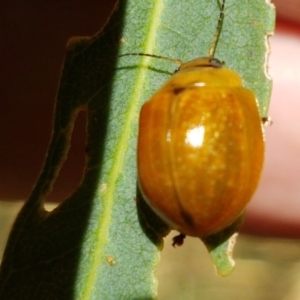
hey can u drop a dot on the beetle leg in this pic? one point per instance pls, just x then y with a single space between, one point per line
267 121
178 240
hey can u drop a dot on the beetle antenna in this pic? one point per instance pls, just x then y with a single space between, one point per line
176 61
213 46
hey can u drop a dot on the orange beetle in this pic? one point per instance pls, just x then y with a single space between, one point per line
200 147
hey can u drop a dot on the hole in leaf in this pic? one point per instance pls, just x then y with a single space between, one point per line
71 172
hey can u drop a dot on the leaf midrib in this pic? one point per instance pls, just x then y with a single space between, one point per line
121 149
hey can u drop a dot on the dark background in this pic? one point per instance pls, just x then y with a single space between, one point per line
33 38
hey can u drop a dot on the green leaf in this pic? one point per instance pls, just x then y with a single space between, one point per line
93 246
220 247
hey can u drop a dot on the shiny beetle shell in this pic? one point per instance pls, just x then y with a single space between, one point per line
200 148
